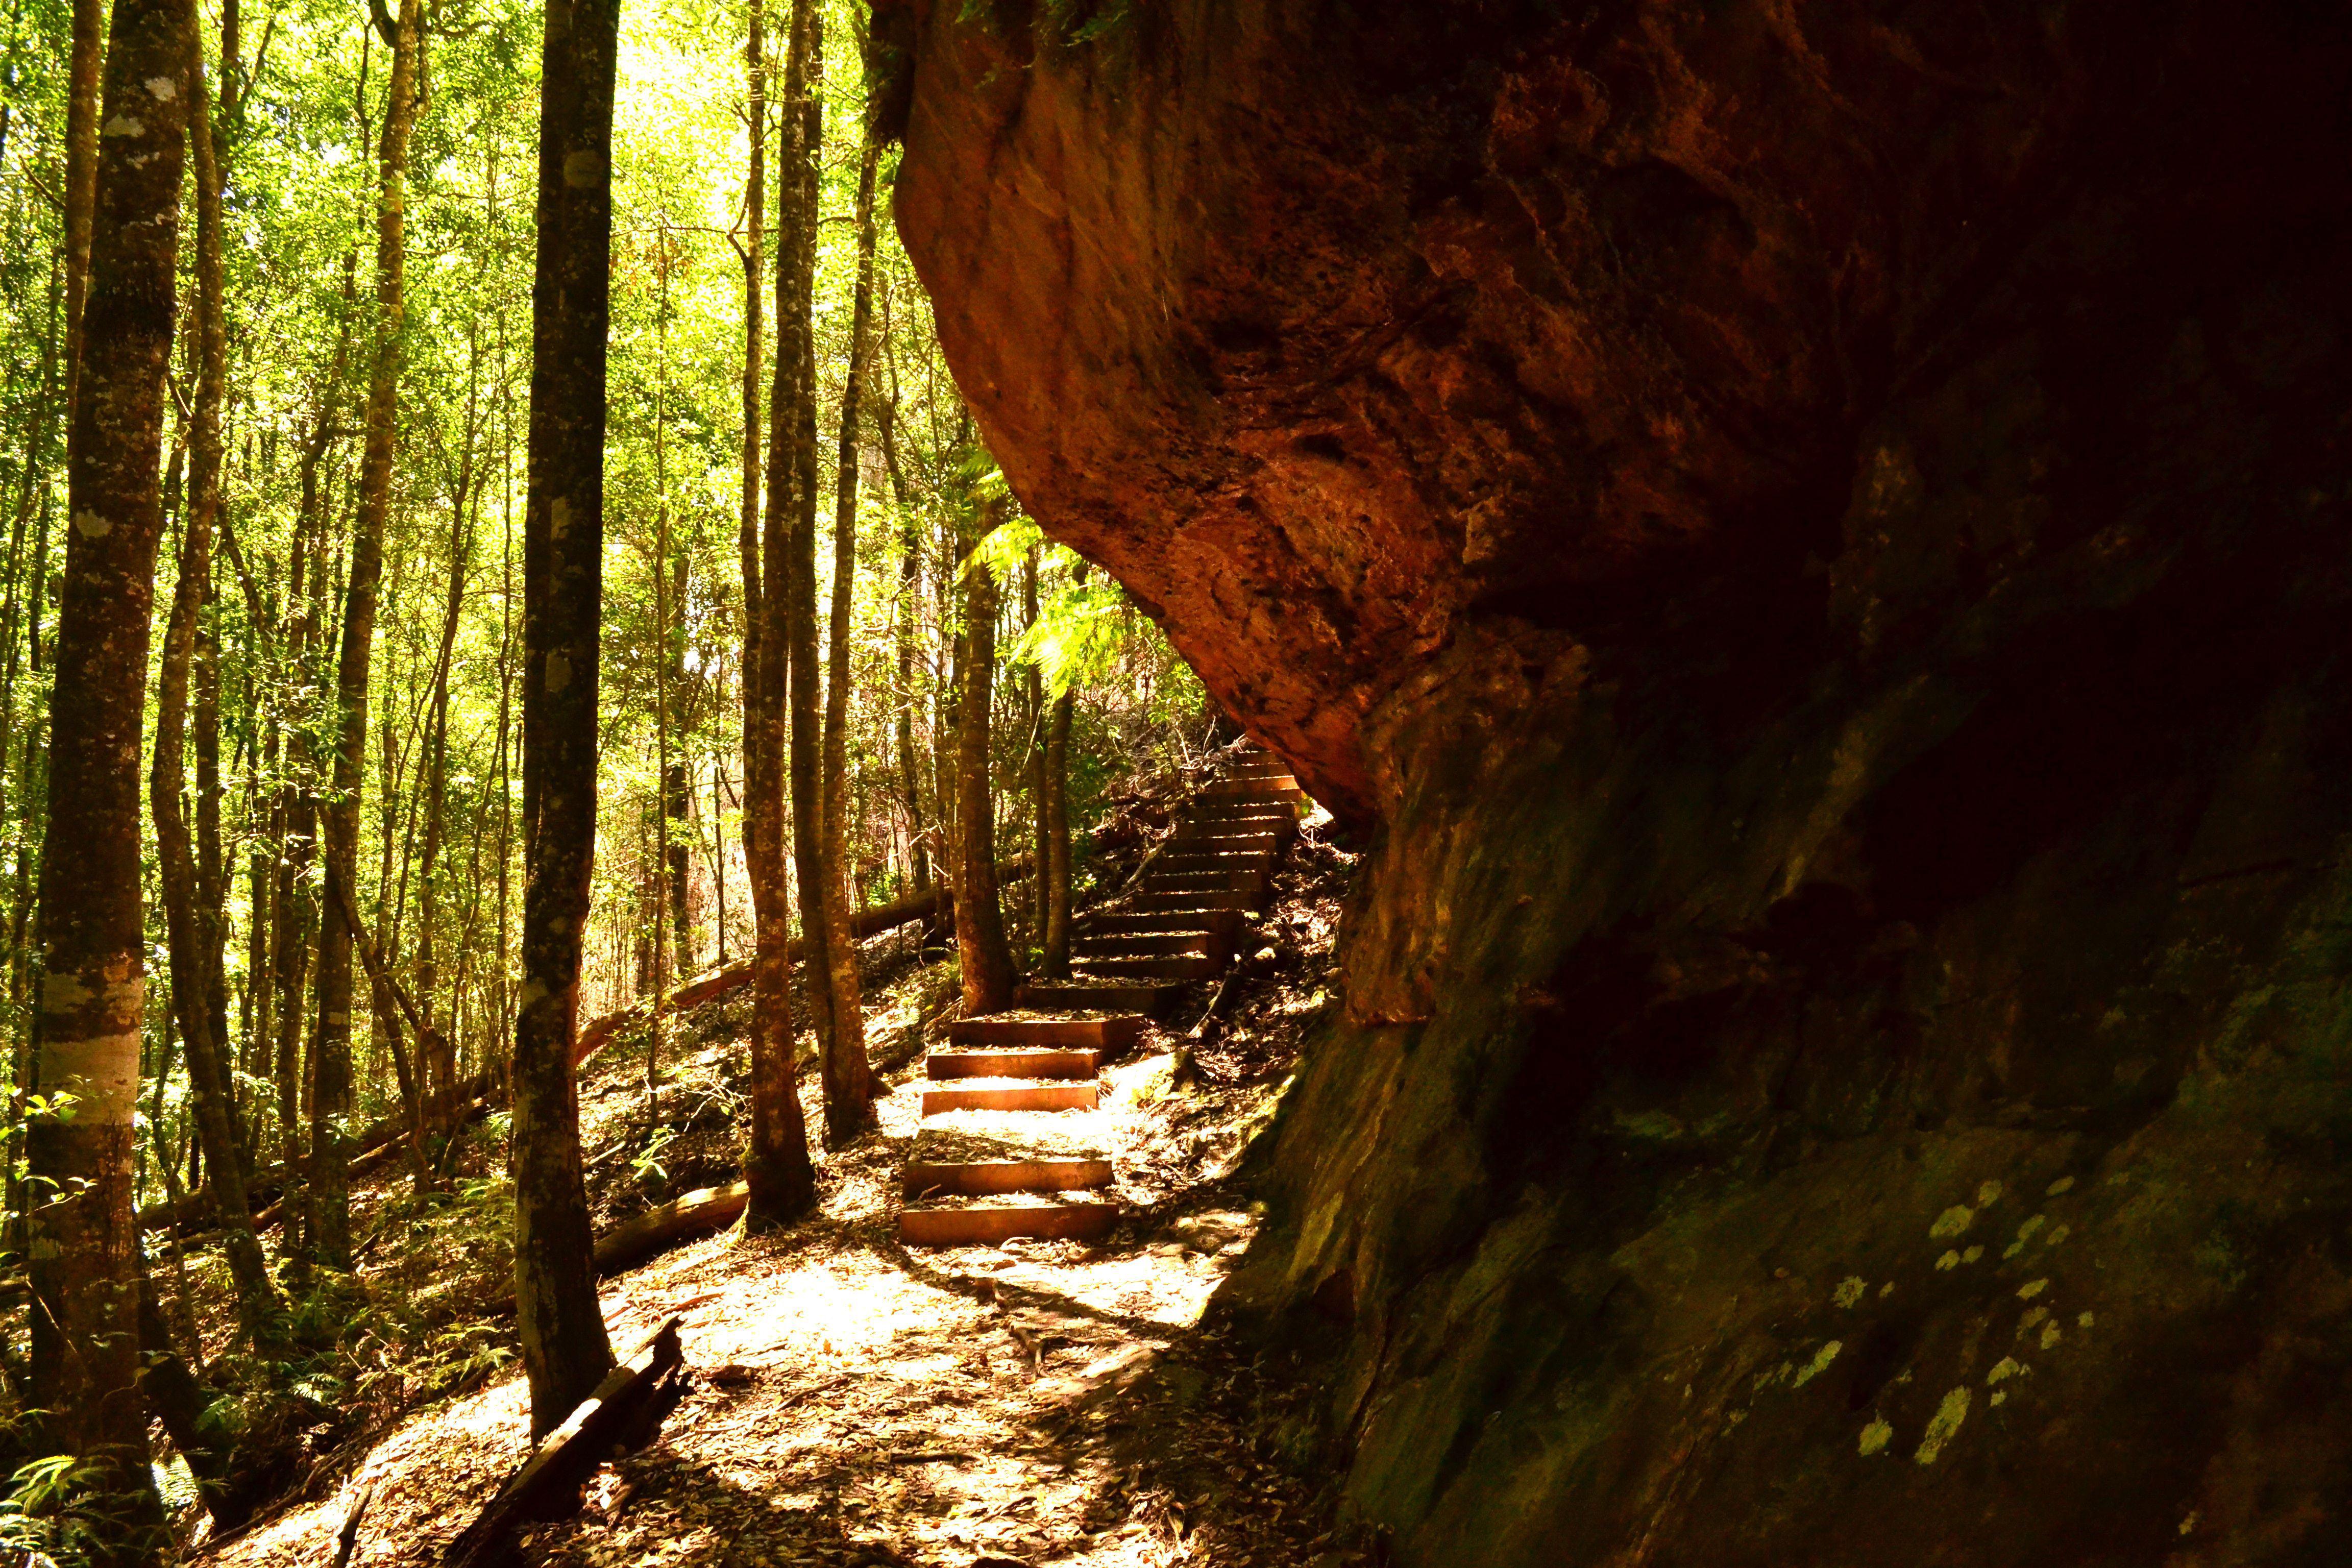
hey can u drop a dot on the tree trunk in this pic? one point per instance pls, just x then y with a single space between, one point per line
268 842
946 686
794 454
23 594
212 883
436 1068
909 571
564 1349
1054 870
677 792
293 913
669 874
848 1075
84 1260
1034 739
782 1182
191 882
500 1062
331 1069
988 976
89 53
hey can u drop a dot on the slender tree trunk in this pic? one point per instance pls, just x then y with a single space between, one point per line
23 594
677 800
212 879
88 53
332 1072
84 1258
793 457
947 689
665 613
268 843
293 915
191 883
564 1349
1055 870
435 1069
501 1061
1039 898
776 1167
988 976
910 555
848 1076
29 492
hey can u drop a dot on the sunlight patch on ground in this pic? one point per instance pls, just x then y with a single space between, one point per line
851 1396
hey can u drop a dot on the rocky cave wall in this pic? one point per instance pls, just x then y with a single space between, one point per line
1815 537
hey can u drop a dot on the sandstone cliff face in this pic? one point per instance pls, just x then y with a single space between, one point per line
1818 533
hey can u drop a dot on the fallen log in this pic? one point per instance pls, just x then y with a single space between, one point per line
698 1214
624 1413
366 1164
382 1138
377 1140
713 983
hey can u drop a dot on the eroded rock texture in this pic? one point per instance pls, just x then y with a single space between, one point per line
1819 534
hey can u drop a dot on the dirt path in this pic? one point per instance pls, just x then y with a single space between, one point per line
1040 1403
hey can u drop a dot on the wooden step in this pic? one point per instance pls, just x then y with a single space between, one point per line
1247 812
1021 1097
1203 881
1282 788
1135 998
1264 850
1207 922
1243 832
1036 1064
1186 858
1107 1034
980 1178
1173 968
1192 900
997 1223
1150 944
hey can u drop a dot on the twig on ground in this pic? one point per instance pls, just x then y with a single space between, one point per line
348 1537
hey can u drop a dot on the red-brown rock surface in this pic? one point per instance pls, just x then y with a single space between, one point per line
1818 532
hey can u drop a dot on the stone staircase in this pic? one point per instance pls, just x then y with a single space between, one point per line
1017 1106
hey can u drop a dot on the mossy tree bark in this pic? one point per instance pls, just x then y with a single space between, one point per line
565 1350
776 1166
189 876
83 1252
330 1093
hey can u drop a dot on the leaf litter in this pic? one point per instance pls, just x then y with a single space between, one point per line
859 1403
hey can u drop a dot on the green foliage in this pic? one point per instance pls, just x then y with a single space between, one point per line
1080 635
54 1512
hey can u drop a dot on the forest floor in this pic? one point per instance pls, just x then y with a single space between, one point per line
858 1403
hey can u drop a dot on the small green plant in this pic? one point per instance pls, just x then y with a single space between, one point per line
646 1163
